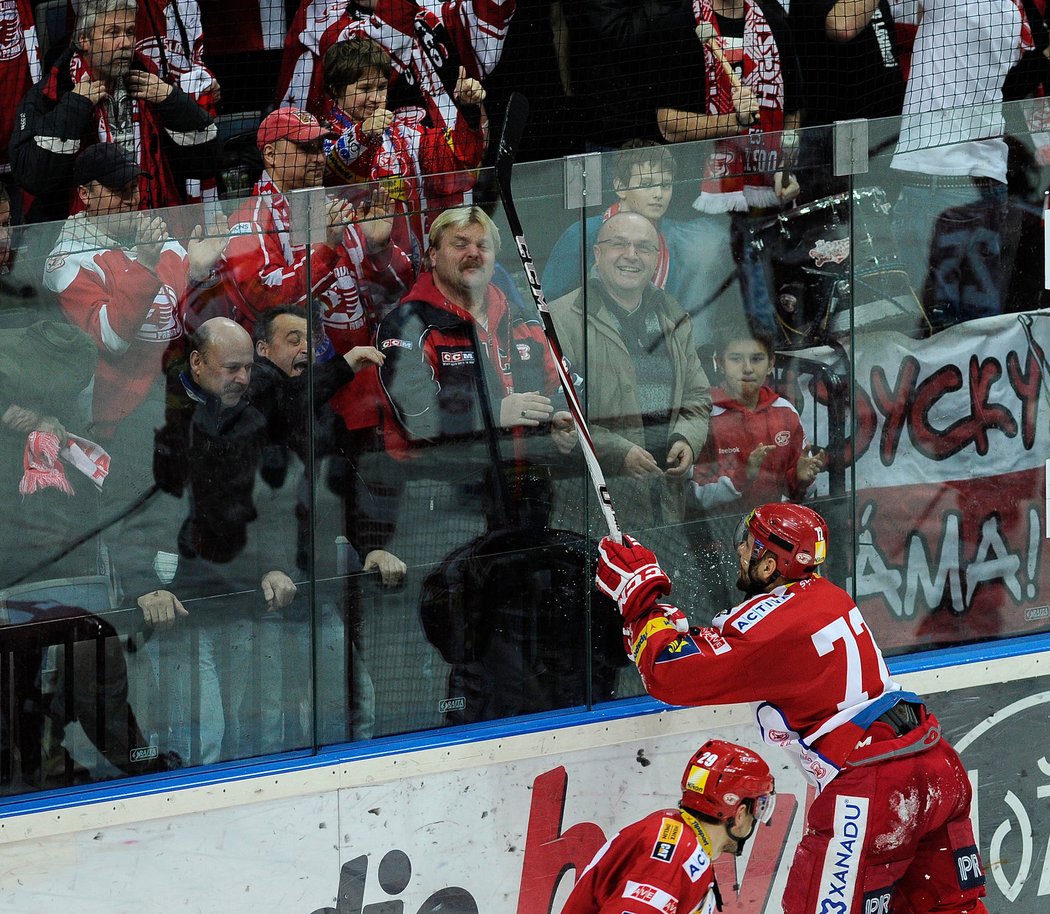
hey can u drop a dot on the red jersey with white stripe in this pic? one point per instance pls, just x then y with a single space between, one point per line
802 654
425 169
658 865
720 473
130 311
262 269
19 64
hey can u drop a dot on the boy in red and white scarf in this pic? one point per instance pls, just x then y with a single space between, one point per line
425 169
426 48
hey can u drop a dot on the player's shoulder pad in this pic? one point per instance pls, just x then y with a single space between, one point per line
666 834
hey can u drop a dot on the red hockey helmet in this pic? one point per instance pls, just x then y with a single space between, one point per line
796 535
722 775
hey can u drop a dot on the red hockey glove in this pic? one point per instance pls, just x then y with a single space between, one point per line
631 575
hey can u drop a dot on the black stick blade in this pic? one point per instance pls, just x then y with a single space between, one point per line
514 120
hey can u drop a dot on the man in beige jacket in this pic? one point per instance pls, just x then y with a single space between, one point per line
648 399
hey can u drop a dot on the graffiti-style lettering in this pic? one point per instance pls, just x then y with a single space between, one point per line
994 561
934 568
1027 385
873 576
892 405
948 573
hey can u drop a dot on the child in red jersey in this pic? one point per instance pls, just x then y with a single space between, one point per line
756 452
756 449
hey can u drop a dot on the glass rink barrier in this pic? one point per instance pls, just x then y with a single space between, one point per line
295 467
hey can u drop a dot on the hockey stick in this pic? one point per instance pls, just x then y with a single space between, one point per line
514 119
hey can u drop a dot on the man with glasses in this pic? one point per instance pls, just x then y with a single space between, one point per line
644 183
648 396
664 861
890 827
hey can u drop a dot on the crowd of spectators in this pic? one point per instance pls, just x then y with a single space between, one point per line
343 327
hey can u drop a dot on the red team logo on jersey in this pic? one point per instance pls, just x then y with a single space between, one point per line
11 44
162 323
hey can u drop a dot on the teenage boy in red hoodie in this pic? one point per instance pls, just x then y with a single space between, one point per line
756 449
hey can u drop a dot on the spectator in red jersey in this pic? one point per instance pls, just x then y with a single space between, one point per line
800 650
417 164
756 450
120 277
19 65
264 267
100 90
664 861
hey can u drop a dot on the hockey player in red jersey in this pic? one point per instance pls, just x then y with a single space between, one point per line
890 828
664 861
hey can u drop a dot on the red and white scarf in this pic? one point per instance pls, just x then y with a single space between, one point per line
739 174
44 470
157 185
1027 39
663 259
79 73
